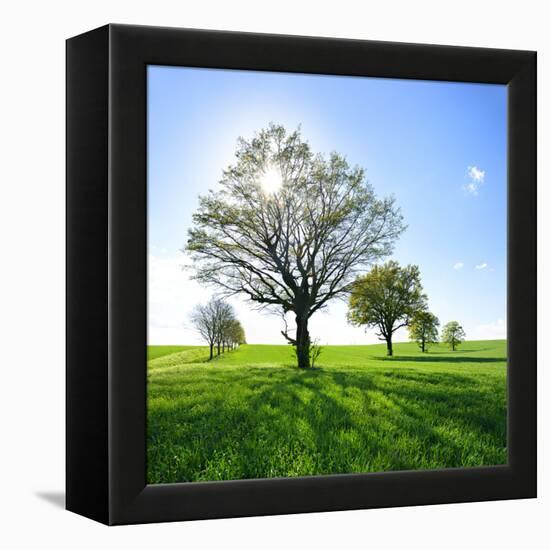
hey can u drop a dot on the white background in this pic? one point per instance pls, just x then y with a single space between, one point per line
32 282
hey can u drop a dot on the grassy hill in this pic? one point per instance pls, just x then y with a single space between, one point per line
252 414
154 352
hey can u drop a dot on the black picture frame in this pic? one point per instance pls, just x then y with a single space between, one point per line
106 274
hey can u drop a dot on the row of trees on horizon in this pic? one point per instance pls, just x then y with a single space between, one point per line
389 297
218 325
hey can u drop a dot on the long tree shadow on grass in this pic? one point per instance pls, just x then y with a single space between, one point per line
441 359
405 375
428 409
342 443
270 423
441 394
461 400
447 351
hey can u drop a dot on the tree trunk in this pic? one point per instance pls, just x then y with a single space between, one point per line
219 344
302 342
223 346
211 351
423 346
389 346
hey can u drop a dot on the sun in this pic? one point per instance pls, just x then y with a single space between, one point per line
271 180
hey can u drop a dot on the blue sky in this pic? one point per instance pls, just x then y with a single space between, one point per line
440 148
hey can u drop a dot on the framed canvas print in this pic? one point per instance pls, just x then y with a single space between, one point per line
301 274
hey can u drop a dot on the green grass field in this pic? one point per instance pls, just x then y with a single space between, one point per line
253 414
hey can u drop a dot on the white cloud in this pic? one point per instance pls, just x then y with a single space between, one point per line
471 188
483 265
458 265
476 177
475 174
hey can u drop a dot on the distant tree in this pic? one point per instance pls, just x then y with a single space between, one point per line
235 334
423 329
387 297
224 315
453 334
203 319
240 335
212 321
289 229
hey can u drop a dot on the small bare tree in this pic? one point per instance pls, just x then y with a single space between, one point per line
224 314
203 320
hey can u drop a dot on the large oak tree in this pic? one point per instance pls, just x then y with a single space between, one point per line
289 229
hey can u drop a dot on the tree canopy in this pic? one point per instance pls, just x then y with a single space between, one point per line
289 229
386 298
